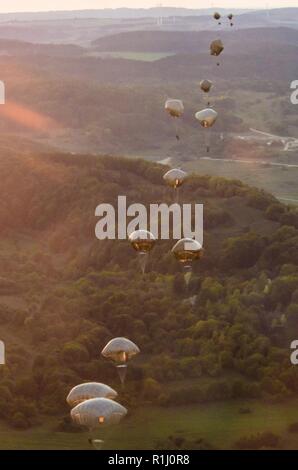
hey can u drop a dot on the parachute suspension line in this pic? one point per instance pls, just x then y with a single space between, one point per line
208 99
187 274
208 139
143 258
122 371
177 192
177 129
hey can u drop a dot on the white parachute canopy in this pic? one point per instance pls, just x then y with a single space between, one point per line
174 107
120 350
207 117
98 412
175 177
86 391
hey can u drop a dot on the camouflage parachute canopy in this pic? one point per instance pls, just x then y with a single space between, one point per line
206 85
216 47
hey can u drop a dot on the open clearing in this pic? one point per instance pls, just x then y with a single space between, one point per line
220 424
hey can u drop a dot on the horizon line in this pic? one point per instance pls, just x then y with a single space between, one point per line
65 10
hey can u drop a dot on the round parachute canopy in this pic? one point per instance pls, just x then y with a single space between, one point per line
175 178
89 390
175 108
216 47
120 350
142 241
206 85
98 412
216 16
187 250
206 117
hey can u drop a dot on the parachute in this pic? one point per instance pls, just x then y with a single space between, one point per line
86 391
98 412
207 117
120 351
206 85
175 108
175 178
186 251
216 48
217 17
142 241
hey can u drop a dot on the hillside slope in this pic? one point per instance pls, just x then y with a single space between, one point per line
63 293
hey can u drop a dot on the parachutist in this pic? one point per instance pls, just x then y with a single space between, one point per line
120 351
175 177
175 108
186 251
177 137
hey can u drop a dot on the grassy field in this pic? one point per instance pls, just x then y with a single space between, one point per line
280 181
220 424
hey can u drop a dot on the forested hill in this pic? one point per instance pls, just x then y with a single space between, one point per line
63 293
237 41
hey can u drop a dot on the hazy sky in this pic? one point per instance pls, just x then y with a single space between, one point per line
38 5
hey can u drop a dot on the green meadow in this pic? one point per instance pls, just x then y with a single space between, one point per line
220 424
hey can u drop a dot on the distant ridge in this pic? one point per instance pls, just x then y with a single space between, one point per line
117 13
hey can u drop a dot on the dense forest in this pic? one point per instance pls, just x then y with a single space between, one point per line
64 294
